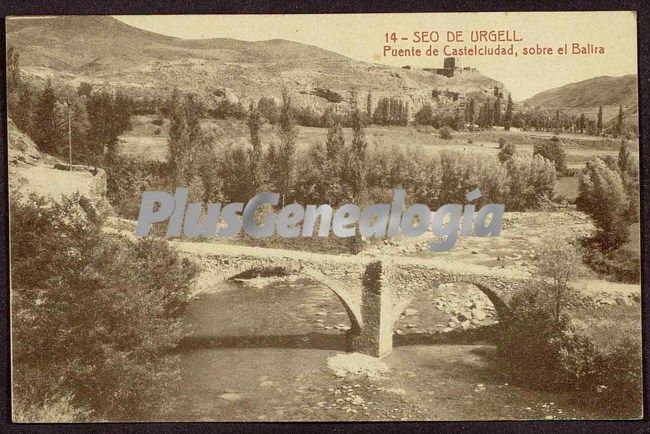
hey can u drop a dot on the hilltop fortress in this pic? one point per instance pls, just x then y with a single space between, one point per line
451 67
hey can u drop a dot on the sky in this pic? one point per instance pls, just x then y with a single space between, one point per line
362 37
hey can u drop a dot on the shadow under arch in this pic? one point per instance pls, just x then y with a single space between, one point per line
351 306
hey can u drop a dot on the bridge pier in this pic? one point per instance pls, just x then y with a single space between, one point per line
375 337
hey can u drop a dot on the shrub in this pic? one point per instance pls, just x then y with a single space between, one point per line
94 316
617 383
621 265
424 116
549 354
445 133
506 152
552 151
541 352
502 142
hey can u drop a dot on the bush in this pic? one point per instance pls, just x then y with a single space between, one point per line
541 352
506 152
445 133
552 151
502 142
617 383
620 265
93 315
552 355
604 198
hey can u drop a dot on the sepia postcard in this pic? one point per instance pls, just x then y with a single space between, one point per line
342 217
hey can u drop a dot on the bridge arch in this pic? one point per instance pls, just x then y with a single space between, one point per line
348 298
400 305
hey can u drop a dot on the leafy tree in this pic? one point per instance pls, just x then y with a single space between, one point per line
95 322
508 117
287 149
603 197
561 263
552 151
49 133
424 116
357 157
471 109
185 134
108 117
599 123
530 180
628 168
618 128
255 154
497 111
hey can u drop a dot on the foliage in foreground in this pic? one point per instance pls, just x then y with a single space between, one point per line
94 316
541 351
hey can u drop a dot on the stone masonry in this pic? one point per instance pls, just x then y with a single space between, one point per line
374 289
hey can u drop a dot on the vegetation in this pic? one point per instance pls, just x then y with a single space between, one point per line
94 321
552 151
541 344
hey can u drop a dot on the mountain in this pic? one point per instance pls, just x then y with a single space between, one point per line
586 96
105 51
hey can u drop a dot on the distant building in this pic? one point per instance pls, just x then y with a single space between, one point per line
451 68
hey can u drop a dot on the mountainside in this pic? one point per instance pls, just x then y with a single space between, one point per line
104 50
597 91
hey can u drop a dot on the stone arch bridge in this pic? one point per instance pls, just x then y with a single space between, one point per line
374 289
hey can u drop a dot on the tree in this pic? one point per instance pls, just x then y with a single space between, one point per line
95 322
618 128
424 116
599 123
357 157
184 136
497 112
287 149
108 117
530 179
508 119
561 263
48 135
471 109
369 106
255 153
628 168
603 197
552 151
